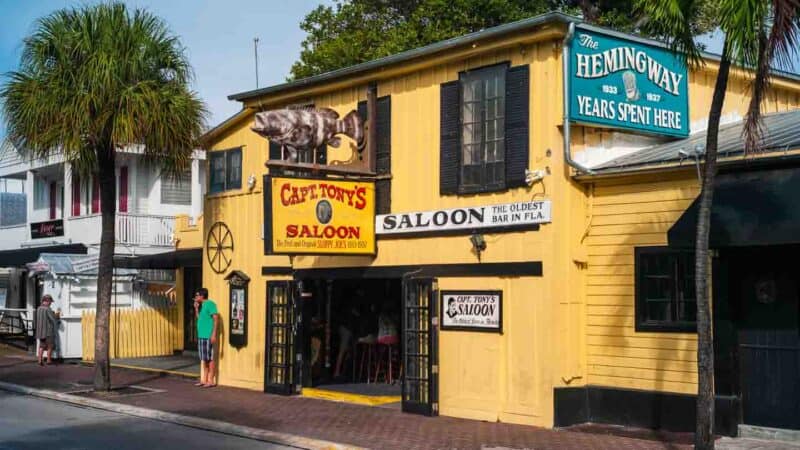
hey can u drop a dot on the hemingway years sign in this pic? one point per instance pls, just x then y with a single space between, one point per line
506 215
316 217
472 310
624 84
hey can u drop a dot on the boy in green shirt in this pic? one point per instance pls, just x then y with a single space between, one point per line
205 311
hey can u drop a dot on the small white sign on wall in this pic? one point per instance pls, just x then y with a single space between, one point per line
472 311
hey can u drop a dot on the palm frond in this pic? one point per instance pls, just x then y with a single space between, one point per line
671 20
97 78
777 43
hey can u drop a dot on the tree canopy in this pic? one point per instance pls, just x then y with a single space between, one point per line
355 31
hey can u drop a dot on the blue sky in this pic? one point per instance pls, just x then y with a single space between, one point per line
218 35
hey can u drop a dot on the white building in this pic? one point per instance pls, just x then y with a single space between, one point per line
46 208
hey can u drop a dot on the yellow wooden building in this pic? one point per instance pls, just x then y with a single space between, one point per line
479 202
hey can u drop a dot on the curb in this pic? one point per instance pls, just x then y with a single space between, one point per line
273 437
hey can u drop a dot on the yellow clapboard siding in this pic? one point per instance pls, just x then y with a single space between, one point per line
638 218
654 206
647 342
638 352
651 385
689 367
629 240
618 269
617 259
643 374
610 321
610 310
655 186
610 280
672 194
628 331
610 290
610 300
629 229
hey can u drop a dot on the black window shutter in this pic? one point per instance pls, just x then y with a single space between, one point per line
449 136
275 151
517 118
383 163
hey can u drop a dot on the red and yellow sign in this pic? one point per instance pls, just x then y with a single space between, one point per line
311 216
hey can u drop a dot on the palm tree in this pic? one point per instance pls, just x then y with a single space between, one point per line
92 80
757 33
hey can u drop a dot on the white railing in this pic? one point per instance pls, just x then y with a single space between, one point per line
130 229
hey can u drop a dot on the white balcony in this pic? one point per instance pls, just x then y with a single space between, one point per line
134 230
12 236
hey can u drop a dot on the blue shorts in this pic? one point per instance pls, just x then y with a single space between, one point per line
205 349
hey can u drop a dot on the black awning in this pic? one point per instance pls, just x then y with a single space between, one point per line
192 257
750 208
21 256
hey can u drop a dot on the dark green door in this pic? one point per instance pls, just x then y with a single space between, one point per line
420 380
279 376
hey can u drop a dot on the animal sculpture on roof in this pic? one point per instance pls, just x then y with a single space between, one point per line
304 130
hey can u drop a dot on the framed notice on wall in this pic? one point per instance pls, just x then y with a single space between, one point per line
472 311
237 324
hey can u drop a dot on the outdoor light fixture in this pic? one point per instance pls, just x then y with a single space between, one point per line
478 244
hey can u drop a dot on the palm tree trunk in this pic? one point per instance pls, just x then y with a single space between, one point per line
704 433
105 271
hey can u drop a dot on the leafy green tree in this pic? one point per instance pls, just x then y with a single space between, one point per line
757 33
91 81
355 31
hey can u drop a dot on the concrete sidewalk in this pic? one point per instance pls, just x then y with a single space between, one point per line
297 421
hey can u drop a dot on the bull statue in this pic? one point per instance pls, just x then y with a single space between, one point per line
304 130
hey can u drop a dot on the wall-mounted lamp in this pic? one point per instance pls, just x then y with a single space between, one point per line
478 244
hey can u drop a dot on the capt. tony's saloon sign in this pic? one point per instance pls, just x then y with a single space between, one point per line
621 83
472 311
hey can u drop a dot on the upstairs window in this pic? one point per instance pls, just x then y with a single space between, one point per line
665 291
225 170
484 130
177 189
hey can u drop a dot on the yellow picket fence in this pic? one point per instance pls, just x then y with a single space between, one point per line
136 332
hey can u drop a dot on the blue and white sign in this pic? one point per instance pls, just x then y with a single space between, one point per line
624 84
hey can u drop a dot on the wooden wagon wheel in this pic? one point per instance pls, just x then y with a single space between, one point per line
219 247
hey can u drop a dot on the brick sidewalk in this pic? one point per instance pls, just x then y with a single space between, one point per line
363 426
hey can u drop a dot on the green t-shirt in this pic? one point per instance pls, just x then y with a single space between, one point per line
205 319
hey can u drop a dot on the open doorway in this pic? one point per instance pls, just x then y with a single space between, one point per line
351 339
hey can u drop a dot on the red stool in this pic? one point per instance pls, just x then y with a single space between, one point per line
386 346
367 350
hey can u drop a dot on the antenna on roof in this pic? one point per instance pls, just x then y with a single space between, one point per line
255 49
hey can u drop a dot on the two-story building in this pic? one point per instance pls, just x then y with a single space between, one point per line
520 222
50 233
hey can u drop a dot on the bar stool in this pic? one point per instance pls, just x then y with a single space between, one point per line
367 352
387 345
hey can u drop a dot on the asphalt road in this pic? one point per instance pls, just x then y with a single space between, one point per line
34 423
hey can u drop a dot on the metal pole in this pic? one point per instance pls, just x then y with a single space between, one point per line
255 49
